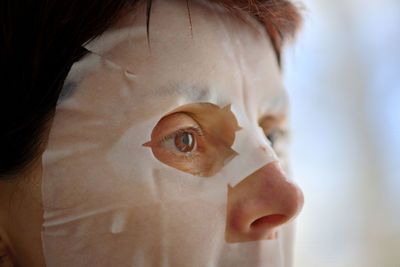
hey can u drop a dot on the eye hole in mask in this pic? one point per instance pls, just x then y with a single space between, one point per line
195 138
184 140
275 132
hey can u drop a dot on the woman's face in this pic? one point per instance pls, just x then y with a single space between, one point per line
160 155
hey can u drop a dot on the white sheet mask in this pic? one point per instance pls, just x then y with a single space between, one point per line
108 200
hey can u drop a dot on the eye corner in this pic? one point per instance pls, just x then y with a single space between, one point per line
147 144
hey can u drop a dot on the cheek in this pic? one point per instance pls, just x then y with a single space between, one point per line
189 208
25 220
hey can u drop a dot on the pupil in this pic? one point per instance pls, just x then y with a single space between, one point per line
186 139
184 142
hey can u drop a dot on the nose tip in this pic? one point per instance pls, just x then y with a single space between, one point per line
260 203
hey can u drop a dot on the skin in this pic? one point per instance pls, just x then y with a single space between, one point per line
21 218
208 57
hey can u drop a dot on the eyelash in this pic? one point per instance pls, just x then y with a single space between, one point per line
196 130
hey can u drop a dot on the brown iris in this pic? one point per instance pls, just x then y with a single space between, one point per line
185 142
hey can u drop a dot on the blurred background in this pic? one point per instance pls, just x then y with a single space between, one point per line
343 77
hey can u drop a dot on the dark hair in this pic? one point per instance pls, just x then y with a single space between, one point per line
41 39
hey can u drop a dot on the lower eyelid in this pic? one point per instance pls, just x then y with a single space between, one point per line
184 156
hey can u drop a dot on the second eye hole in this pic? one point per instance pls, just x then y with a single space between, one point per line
272 127
273 135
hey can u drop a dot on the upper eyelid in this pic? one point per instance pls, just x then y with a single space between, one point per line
171 130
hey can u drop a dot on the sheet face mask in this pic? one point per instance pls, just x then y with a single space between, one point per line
149 152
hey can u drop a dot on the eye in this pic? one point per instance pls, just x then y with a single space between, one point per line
273 128
195 139
273 135
184 141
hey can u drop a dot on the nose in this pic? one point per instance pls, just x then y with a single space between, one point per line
260 203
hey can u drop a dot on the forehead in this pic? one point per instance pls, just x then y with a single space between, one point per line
196 52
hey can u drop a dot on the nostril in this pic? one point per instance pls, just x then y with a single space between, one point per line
270 220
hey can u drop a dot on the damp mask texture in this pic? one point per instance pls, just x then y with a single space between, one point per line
155 155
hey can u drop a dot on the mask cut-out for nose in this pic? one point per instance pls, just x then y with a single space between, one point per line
260 203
